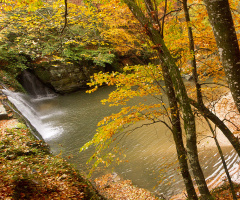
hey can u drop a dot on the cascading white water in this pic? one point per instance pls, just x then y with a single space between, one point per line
27 106
34 86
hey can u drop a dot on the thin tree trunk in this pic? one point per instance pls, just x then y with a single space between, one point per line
223 160
65 16
199 104
194 65
219 123
192 49
221 20
189 123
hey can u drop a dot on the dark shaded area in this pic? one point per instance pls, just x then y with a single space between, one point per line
33 85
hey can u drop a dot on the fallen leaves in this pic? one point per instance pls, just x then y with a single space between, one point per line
113 187
29 171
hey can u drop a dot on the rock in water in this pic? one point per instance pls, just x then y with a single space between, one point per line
3 113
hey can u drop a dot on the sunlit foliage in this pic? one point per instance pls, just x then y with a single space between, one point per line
139 81
42 32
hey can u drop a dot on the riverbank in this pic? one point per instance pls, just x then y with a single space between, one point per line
113 186
30 171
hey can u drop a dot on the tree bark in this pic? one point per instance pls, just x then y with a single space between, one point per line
221 20
199 104
177 135
181 94
192 49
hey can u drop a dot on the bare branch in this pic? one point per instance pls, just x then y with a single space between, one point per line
170 12
163 18
65 16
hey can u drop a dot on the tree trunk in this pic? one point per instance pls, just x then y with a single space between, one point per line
177 135
192 49
181 94
194 64
221 20
199 104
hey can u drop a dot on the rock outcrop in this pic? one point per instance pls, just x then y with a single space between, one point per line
65 78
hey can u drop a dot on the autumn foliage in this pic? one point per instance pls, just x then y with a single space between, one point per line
95 31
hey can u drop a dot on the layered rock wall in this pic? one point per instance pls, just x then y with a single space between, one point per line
64 78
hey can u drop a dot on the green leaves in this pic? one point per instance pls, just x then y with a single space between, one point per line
34 29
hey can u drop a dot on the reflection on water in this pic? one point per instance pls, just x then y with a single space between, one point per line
68 122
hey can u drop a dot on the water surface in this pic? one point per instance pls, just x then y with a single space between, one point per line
67 122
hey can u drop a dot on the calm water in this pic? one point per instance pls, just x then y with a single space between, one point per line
67 122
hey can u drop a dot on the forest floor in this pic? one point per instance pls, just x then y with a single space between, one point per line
29 171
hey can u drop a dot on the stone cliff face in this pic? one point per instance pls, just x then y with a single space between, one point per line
65 78
68 77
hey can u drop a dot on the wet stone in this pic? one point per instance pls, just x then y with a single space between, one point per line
3 113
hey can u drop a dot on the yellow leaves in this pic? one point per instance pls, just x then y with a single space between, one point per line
30 5
123 40
134 81
140 82
176 38
14 17
71 42
40 29
119 26
91 90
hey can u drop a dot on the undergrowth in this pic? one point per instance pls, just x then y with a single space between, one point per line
29 171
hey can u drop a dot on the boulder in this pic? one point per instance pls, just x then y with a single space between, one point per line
64 78
3 113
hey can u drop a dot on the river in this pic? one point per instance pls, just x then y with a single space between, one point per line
67 122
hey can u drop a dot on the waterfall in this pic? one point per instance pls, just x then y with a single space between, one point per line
27 106
34 86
